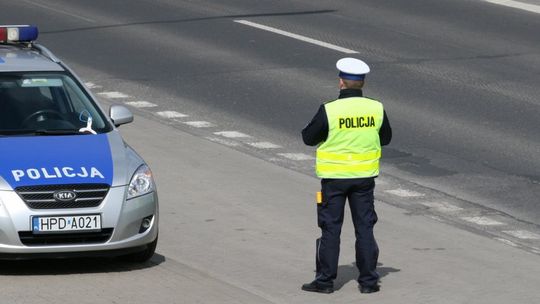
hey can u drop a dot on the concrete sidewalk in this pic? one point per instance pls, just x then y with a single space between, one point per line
252 225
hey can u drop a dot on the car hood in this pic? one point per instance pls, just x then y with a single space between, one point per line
70 159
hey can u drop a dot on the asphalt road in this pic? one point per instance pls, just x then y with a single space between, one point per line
459 80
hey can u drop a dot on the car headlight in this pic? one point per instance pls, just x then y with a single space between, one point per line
141 183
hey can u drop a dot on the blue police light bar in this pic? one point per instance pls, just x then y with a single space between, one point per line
18 33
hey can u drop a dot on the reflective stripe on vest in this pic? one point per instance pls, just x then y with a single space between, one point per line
349 168
352 148
348 156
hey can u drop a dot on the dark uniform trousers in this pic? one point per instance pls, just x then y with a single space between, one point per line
330 212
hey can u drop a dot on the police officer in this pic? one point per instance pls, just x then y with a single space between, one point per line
350 132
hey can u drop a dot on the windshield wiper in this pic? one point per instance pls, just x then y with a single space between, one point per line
57 132
41 132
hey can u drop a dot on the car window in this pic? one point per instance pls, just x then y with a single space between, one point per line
41 101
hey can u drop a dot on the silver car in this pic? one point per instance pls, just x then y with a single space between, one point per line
69 184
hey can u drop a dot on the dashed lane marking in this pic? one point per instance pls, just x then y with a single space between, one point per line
113 95
482 220
380 181
226 142
535 250
297 37
507 242
171 114
404 193
232 134
296 156
442 206
141 104
92 85
264 145
435 217
516 4
234 139
199 124
48 7
523 234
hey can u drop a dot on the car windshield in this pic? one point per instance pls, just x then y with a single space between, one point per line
47 104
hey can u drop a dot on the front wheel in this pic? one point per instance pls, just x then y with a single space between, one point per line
142 256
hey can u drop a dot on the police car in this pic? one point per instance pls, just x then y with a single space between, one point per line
69 184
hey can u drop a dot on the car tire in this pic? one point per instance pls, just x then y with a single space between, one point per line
142 256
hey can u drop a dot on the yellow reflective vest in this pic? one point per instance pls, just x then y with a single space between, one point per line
352 148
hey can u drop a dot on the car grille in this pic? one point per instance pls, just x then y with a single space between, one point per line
42 197
30 239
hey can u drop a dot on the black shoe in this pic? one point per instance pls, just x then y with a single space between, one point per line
369 289
316 286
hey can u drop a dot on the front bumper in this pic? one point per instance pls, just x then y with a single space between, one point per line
124 217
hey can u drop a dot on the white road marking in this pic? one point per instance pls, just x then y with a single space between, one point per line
516 4
199 124
232 134
60 11
141 104
523 234
297 156
435 217
381 182
404 193
171 114
92 85
296 36
482 220
222 141
507 242
264 145
442 206
113 95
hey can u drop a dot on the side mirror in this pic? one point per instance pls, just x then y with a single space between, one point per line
120 115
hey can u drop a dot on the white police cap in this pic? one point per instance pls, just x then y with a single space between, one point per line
352 68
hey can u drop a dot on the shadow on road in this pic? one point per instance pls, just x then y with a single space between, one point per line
177 21
74 266
347 273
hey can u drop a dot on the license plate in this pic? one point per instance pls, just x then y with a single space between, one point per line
66 223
